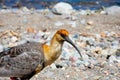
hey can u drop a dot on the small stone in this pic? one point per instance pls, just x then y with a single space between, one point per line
73 18
67 76
82 44
97 50
39 35
103 34
59 24
83 21
25 9
112 59
30 30
76 36
106 72
14 33
88 27
90 41
12 44
53 66
14 39
117 52
72 59
90 22
83 12
103 12
90 66
1 48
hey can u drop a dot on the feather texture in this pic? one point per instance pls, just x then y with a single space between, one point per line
23 58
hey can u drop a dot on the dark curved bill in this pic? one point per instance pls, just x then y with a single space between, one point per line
70 41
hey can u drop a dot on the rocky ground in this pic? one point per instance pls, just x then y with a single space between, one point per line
96 33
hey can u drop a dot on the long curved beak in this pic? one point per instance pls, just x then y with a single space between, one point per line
71 42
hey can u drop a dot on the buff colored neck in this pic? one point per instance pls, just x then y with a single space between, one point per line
52 51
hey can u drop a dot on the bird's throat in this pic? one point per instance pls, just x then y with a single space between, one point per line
53 51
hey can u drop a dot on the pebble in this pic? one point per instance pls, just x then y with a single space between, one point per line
90 41
72 59
1 48
103 12
59 24
83 21
117 53
103 34
73 18
90 22
97 50
53 66
25 9
88 27
112 59
83 12
39 35
14 39
30 30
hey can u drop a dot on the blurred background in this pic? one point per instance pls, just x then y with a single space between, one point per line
41 4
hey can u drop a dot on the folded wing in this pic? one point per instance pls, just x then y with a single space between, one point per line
21 60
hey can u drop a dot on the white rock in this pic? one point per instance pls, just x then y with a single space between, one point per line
62 8
25 9
112 59
113 10
103 12
83 21
83 12
53 66
1 48
39 34
59 23
14 39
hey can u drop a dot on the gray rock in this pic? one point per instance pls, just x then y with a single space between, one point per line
91 42
1 48
117 52
83 12
57 24
62 8
75 36
113 10
83 21
112 59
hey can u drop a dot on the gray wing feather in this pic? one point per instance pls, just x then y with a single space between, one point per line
21 60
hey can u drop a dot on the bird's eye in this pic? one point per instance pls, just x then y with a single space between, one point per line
62 35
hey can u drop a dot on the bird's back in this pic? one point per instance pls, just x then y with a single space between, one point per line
21 60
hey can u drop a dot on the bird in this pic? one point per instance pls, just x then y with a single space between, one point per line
23 61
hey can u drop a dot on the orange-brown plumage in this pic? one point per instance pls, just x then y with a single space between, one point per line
47 53
63 31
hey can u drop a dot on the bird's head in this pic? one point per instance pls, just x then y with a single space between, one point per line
63 35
